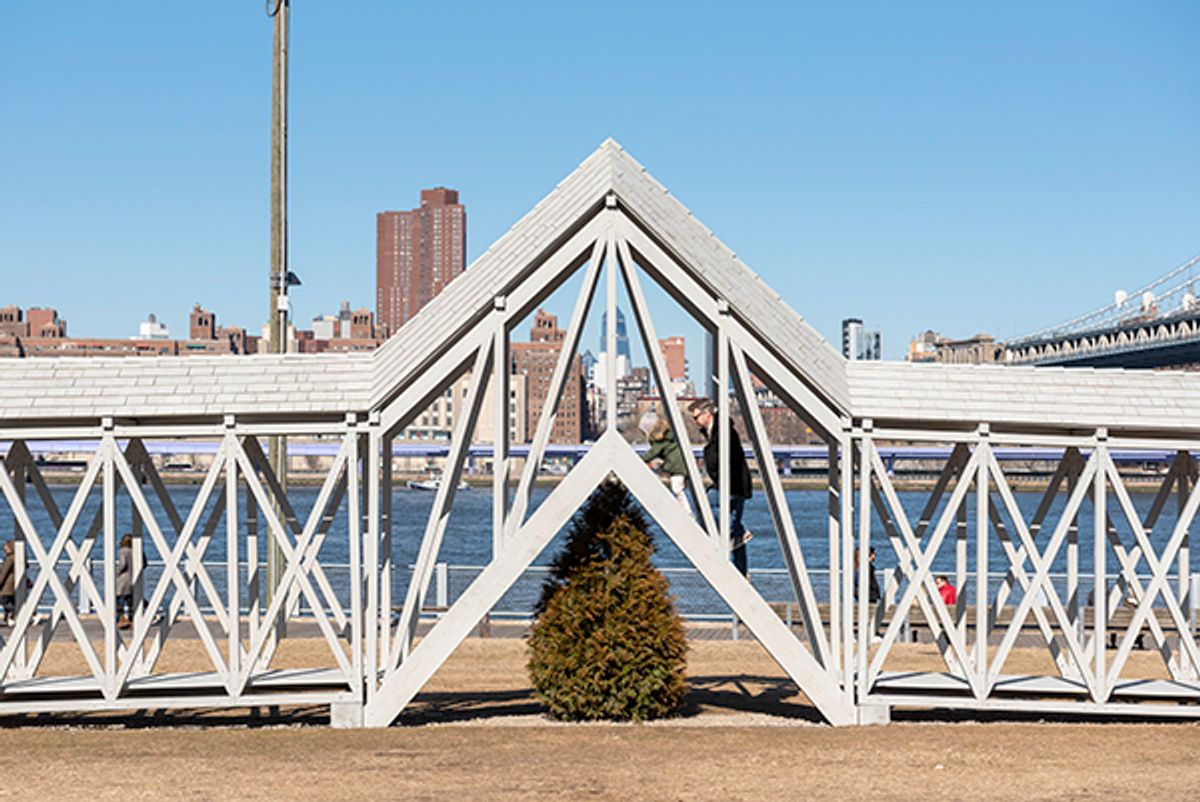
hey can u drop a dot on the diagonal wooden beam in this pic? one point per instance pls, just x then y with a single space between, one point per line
785 527
401 684
658 367
439 514
1158 585
293 555
253 452
171 574
924 557
558 379
1042 561
47 561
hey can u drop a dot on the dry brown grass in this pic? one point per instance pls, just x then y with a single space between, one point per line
746 737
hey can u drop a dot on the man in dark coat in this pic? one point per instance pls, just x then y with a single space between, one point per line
704 413
8 582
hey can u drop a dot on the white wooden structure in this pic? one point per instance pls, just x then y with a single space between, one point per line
615 226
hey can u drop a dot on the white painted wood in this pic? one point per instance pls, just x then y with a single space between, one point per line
401 685
724 423
172 555
982 506
356 462
834 530
645 326
1041 561
47 561
292 552
252 451
1100 571
233 580
501 420
678 282
414 390
610 454
110 554
1016 572
712 561
378 574
600 254
922 577
785 527
861 603
1159 566
435 529
384 614
848 453
608 204
610 334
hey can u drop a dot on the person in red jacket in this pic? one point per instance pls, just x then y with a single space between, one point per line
948 594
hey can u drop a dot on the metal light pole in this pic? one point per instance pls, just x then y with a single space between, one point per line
279 11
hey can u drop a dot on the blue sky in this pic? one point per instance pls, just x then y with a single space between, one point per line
927 165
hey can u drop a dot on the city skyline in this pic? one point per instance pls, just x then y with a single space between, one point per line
916 162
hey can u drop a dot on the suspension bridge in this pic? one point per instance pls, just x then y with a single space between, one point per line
1157 326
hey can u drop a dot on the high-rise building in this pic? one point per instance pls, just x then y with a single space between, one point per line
536 361
852 329
860 343
622 336
417 253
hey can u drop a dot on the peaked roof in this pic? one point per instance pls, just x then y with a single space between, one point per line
1025 396
576 199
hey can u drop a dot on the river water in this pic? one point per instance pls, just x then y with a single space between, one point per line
467 543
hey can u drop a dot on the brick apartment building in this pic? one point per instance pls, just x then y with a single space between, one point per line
675 356
42 333
417 253
535 360
348 331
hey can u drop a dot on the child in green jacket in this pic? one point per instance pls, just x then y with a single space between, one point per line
665 450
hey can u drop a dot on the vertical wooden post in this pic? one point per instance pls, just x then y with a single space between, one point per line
834 525
1099 568
982 500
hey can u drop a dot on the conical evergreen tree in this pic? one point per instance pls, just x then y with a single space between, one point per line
607 642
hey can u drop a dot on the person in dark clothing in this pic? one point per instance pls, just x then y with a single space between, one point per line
125 582
8 582
873 593
704 413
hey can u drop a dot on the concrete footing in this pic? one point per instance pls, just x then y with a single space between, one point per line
874 714
346 715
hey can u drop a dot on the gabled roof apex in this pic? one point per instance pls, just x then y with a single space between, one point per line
607 169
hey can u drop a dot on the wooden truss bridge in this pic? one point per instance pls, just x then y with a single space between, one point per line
612 228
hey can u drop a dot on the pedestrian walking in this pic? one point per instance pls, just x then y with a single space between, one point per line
8 583
873 594
704 412
124 585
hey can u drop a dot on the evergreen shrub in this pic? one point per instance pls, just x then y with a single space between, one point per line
607 642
